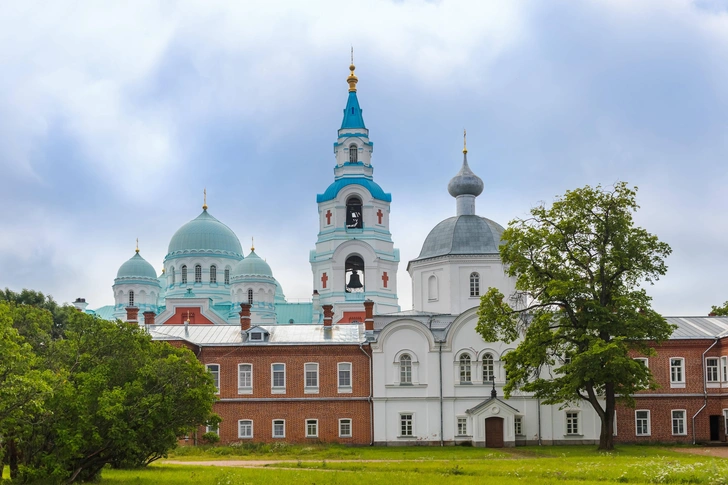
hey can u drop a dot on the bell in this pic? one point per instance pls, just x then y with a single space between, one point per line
354 281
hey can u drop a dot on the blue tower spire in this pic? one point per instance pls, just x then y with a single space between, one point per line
352 113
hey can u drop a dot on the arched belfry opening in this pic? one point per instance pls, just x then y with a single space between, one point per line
354 276
353 153
354 219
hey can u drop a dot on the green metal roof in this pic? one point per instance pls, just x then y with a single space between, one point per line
136 267
205 234
298 312
252 265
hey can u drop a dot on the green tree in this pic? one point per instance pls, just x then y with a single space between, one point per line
720 311
578 306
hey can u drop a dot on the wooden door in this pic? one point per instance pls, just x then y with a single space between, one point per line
494 433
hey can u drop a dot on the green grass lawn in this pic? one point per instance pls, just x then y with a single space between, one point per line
425 465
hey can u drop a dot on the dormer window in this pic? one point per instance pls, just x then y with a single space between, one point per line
257 336
353 154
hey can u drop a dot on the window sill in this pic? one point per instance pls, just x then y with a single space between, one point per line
643 435
465 383
245 391
279 437
245 437
680 434
713 385
311 390
406 386
278 390
311 437
573 436
345 436
463 436
406 437
677 385
345 390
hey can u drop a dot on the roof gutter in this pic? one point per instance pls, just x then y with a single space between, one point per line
705 385
371 392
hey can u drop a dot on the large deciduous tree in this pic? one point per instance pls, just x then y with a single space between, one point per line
579 306
720 311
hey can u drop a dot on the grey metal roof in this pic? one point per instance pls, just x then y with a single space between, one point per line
465 234
211 335
698 327
465 182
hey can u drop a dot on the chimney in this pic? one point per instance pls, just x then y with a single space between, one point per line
711 314
369 315
80 304
132 314
245 317
148 318
328 315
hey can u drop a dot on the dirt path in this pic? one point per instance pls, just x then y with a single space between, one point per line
718 451
262 463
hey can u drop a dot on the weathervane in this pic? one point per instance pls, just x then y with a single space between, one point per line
465 141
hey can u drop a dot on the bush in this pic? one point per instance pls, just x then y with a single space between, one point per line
211 437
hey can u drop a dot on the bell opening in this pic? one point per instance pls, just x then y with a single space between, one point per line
354 277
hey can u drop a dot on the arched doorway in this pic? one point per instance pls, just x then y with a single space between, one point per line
494 432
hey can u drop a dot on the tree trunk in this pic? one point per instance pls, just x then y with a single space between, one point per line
13 458
606 437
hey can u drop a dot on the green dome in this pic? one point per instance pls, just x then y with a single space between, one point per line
205 234
252 265
136 267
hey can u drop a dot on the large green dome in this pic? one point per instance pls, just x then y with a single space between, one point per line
136 267
252 265
205 234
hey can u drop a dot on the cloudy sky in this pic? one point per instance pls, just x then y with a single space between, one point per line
114 118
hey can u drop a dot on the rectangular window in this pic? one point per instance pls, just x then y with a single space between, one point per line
227 276
518 425
245 428
344 374
256 336
677 370
214 370
279 428
725 415
711 369
311 371
642 422
405 424
245 378
572 423
462 426
345 428
642 360
678 422
311 428
278 376
724 366
213 429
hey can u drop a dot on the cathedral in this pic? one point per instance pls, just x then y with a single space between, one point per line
349 366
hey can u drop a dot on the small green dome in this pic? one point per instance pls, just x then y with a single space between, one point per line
252 265
205 234
136 267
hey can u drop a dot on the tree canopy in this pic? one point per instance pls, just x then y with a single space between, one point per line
720 311
104 393
579 307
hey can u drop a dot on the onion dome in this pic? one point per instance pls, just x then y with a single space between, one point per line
205 234
136 267
465 182
252 265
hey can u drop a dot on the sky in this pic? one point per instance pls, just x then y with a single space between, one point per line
114 116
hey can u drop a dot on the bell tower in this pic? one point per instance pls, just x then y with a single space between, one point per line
355 258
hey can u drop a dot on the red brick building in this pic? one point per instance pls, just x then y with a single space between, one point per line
691 402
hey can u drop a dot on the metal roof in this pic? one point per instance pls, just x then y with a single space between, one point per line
698 327
464 234
222 335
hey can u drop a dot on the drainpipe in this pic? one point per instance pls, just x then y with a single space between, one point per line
442 438
371 392
705 386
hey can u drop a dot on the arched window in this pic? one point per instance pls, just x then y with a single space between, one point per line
250 297
227 276
465 374
184 274
213 274
474 284
488 368
405 369
353 154
432 288
198 273
171 274
131 297
354 219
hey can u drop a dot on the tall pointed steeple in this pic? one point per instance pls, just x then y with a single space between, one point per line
352 113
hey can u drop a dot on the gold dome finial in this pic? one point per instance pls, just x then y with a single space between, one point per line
137 246
204 199
352 79
252 243
465 141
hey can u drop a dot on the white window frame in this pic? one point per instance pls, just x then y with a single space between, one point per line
313 422
348 421
488 356
518 425
677 383
712 372
273 428
342 367
724 368
401 424
465 368
213 429
184 274
569 428
243 389
227 276
215 375
645 361
725 419
683 421
461 426
240 429
648 423
131 298
213 274
198 273
273 388
310 389
474 280
405 370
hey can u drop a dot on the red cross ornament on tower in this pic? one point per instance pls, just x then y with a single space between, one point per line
328 221
385 278
324 279
379 216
